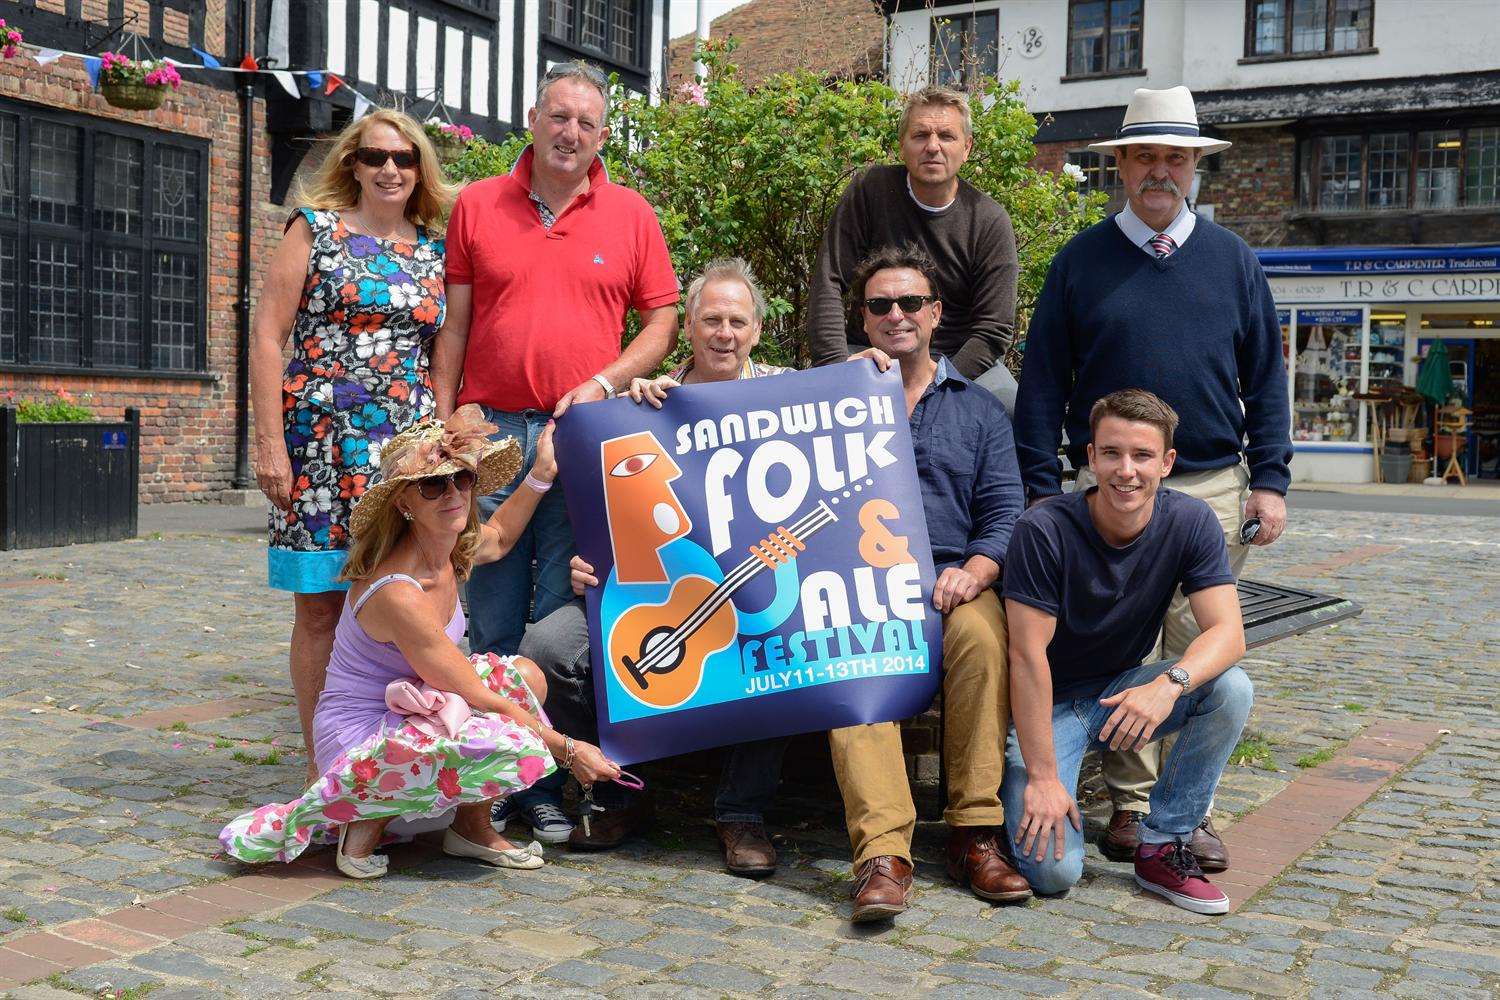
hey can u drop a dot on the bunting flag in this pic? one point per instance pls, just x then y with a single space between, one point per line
361 106
92 65
334 83
288 83
209 62
48 56
314 80
249 64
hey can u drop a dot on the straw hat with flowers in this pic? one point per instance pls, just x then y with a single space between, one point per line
438 448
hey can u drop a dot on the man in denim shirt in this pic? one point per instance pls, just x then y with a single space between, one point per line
971 492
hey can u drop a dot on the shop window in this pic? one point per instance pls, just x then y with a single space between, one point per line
105 265
965 48
1327 377
1104 36
1308 27
1387 350
607 29
1099 173
1393 170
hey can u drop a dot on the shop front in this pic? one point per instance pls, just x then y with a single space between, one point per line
1357 321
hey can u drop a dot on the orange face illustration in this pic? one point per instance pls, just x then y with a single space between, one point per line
644 513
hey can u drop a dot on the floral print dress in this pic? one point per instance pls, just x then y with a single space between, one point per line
358 376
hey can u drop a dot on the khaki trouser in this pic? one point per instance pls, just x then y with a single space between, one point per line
1129 775
868 761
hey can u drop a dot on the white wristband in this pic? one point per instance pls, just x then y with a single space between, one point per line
604 383
537 484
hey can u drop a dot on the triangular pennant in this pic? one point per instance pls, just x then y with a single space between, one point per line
334 83
48 56
209 62
92 65
361 106
249 63
288 83
314 80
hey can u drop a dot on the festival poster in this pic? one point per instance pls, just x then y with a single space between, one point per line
763 560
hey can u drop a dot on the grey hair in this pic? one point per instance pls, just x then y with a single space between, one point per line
935 96
580 71
728 269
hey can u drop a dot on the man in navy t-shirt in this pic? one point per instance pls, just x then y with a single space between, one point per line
1088 577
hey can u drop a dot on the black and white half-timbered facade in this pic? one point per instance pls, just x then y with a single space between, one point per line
131 241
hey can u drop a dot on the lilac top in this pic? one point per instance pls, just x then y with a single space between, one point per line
352 706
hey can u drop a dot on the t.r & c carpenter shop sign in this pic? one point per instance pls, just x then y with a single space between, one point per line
763 560
1314 288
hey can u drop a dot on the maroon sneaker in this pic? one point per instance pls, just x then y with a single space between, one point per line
1171 871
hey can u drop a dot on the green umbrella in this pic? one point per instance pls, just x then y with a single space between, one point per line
1435 380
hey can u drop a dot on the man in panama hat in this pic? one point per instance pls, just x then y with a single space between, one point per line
1160 299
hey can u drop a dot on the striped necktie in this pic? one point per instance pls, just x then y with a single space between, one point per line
1163 245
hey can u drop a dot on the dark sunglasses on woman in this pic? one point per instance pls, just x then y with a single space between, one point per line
372 157
908 303
433 487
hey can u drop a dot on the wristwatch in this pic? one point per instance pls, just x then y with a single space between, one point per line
1179 676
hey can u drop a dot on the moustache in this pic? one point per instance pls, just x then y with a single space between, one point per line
1165 184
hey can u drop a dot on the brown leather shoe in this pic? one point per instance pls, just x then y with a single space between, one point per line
608 828
976 859
747 850
882 889
1208 848
1118 841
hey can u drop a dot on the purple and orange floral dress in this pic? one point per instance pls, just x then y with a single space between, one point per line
375 764
358 376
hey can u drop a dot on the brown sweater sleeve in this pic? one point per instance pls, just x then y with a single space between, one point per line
827 314
992 321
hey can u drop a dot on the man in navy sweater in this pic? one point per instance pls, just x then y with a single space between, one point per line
1157 298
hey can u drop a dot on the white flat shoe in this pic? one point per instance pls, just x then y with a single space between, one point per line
373 866
526 857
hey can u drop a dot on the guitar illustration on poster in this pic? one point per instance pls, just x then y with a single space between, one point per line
764 570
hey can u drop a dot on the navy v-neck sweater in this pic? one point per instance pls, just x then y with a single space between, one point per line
1198 329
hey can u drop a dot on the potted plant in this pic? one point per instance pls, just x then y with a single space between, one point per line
451 140
10 40
138 85
69 476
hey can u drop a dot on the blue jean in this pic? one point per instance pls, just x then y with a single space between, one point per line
501 593
1208 721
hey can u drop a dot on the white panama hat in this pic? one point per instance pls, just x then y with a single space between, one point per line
1162 117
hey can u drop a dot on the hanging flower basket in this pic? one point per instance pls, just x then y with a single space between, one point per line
448 139
133 96
10 40
137 85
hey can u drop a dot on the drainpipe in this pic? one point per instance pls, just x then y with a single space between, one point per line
243 480
699 69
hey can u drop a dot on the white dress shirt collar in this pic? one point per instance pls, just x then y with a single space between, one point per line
1140 234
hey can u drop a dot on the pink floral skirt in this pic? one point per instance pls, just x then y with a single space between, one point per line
401 772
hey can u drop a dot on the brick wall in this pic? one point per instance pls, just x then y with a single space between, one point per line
1253 185
187 426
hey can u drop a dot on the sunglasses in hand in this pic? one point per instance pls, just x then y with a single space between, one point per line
909 304
370 156
433 487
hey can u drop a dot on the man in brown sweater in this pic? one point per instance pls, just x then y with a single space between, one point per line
965 232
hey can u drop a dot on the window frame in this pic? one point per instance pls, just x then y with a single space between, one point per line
87 238
1070 76
1308 166
1286 54
967 34
1102 165
573 47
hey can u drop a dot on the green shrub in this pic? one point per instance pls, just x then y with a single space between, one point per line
62 408
756 173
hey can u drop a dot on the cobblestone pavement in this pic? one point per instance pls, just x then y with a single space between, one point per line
102 810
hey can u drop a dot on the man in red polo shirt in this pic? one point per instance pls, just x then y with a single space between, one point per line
543 266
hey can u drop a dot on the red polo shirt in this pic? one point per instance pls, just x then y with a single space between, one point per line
550 305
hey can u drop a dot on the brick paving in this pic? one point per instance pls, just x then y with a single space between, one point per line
144 701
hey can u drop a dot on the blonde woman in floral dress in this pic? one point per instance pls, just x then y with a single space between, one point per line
479 732
357 286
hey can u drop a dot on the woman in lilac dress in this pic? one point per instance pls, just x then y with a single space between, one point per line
407 726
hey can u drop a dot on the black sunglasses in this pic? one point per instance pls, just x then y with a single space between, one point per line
434 487
909 304
370 156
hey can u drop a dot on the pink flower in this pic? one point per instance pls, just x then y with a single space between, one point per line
531 769
695 94
390 781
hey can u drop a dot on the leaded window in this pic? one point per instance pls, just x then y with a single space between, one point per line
965 48
1437 168
1482 175
1104 36
1452 168
1308 27
102 243
608 29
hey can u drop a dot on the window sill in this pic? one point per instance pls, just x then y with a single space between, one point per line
1366 214
142 374
1276 57
1115 74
